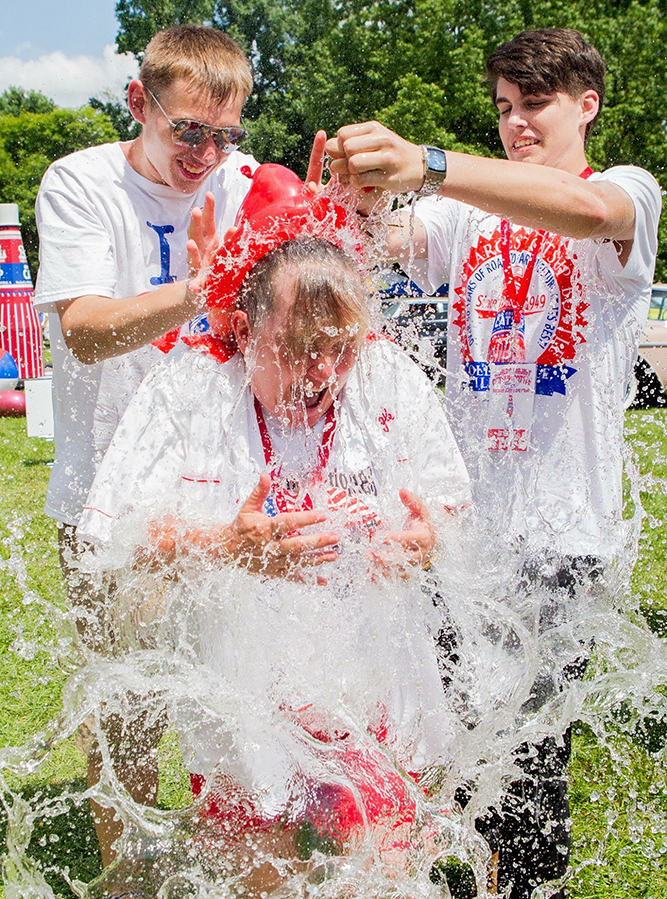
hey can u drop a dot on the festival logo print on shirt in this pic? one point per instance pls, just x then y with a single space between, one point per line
344 506
519 317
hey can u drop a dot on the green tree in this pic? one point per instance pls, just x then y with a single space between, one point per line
29 143
16 100
418 66
139 20
118 114
266 30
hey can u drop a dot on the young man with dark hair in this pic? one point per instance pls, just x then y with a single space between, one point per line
569 64
549 268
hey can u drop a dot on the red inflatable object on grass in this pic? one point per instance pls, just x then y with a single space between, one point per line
12 403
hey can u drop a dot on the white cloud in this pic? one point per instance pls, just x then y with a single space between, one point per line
69 80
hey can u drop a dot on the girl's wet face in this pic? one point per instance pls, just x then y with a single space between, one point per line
297 377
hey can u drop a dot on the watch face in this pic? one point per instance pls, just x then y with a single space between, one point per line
436 159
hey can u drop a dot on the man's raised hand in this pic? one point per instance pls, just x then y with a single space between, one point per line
369 155
203 243
316 163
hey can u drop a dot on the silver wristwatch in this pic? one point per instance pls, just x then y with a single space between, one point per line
435 170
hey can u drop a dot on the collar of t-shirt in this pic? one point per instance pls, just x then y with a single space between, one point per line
296 450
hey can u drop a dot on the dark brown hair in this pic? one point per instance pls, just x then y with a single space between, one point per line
329 294
548 60
204 57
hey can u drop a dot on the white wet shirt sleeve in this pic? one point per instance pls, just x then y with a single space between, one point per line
76 253
141 469
637 273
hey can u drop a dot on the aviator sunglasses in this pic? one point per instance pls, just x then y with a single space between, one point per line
190 133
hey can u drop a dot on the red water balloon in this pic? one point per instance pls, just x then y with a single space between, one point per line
277 208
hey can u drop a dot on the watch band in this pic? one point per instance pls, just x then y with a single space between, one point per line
435 170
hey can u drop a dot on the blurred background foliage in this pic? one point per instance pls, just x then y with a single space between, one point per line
415 65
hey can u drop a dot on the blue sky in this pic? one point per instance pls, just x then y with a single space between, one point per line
65 49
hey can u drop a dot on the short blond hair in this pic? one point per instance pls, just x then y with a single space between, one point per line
204 57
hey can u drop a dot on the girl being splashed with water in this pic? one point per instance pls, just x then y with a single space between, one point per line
268 506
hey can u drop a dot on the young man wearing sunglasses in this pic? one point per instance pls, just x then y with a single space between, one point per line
550 268
115 276
113 224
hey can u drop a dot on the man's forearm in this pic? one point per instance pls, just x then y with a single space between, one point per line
540 197
97 328
370 155
563 206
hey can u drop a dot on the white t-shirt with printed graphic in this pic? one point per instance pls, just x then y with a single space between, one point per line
189 446
107 231
542 437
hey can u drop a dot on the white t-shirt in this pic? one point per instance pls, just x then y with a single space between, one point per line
189 445
107 231
190 442
542 437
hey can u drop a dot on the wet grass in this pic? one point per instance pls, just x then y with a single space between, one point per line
618 792
31 683
647 431
619 788
619 807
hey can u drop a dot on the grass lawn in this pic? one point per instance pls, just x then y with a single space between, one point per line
619 849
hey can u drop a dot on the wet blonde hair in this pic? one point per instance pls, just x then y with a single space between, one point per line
329 295
203 57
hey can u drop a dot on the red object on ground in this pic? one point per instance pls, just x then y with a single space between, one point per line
12 403
375 793
20 328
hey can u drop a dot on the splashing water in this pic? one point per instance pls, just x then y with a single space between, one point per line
307 710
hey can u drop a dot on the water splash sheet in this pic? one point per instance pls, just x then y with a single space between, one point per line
347 738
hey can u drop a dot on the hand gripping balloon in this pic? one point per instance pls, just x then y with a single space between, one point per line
277 208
